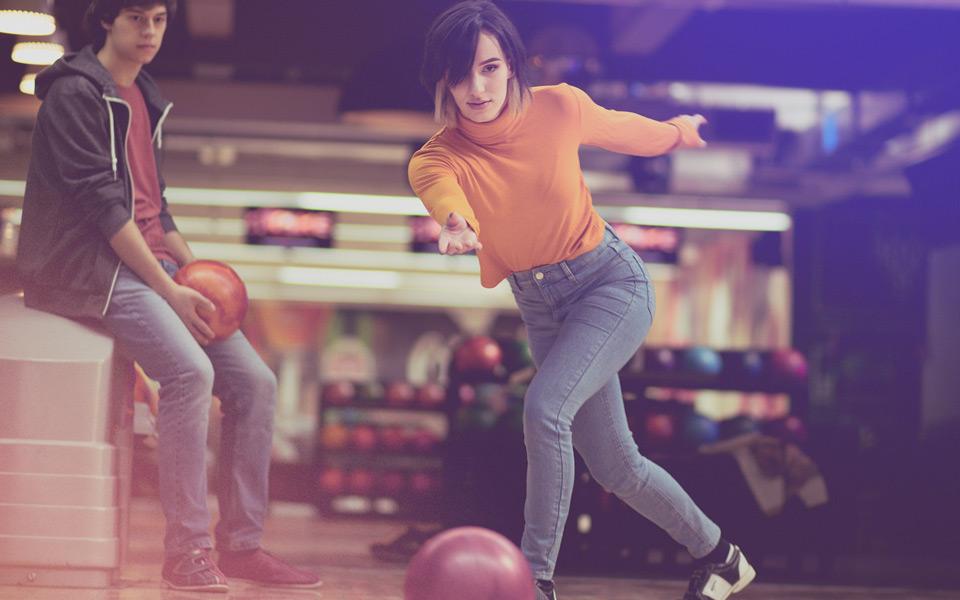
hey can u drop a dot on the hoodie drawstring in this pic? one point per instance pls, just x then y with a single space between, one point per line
113 141
158 133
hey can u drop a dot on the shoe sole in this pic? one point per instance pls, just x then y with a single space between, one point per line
219 588
296 586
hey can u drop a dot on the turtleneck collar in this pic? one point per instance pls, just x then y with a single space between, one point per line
492 132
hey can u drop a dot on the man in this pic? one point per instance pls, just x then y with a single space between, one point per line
97 241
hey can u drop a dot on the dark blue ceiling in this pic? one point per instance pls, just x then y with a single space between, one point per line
378 42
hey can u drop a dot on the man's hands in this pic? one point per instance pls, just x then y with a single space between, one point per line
189 305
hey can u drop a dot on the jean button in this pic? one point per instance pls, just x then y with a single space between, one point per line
539 276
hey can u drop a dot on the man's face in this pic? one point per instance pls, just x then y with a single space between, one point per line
137 32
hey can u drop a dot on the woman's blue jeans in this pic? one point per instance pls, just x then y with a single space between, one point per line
585 319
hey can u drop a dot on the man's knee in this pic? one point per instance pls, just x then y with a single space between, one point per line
253 390
197 376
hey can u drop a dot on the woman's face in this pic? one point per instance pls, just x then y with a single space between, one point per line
483 92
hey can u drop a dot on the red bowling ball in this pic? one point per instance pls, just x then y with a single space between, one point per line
392 438
363 438
659 429
361 482
790 364
423 440
469 563
400 393
332 481
339 393
223 287
478 355
431 395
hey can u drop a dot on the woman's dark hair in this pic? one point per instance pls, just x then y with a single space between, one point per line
101 11
451 46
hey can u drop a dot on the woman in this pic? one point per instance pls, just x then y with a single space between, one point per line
503 178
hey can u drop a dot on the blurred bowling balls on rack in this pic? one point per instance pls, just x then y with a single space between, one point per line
332 481
699 430
516 354
791 429
660 360
363 438
431 395
703 360
466 394
334 436
737 426
339 393
789 364
423 440
659 429
392 438
478 355
400 393
370 392
752 363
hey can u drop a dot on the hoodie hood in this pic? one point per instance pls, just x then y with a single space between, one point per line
86 64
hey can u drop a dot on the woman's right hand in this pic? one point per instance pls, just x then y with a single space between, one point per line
456 236
189 305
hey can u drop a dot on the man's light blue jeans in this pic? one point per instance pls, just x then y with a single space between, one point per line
149 331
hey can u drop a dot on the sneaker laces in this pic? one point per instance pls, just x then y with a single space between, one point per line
200 561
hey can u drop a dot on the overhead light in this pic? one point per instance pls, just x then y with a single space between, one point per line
699 218
26 17
339 202
28 83
37 53
386 280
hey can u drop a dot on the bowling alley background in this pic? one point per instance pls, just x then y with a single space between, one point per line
800 378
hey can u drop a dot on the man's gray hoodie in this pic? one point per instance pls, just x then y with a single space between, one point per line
79 189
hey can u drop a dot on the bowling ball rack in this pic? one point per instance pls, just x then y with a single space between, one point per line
379 450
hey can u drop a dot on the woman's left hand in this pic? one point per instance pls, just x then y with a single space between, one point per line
689 126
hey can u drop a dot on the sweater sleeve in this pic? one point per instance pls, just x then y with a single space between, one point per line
434 181
630 133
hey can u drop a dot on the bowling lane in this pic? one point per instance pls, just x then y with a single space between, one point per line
339 550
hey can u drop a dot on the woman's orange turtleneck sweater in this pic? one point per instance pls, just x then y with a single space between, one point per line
517 179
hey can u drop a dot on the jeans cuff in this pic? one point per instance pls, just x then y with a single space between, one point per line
174 552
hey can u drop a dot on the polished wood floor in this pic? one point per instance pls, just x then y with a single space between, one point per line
339 550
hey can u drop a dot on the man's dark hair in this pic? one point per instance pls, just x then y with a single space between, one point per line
105 11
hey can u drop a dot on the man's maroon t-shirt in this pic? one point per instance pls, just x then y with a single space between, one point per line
143 167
